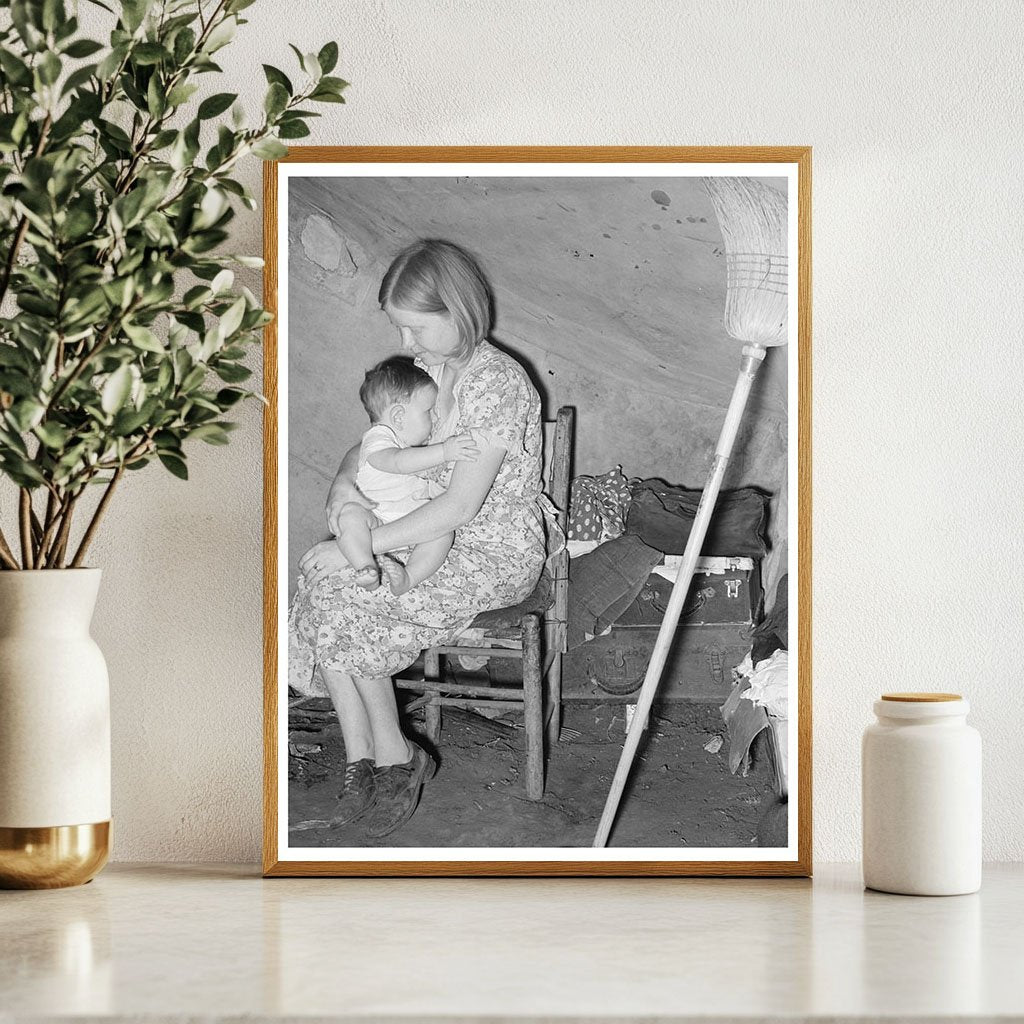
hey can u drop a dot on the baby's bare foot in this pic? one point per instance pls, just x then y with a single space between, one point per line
368 577
398 578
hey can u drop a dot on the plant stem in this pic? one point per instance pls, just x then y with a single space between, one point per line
37 533
90 531
6 554
25 522
61 543
54 508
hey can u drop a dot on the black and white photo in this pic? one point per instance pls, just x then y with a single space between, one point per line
507 397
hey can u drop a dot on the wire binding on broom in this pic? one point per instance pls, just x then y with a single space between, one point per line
754 221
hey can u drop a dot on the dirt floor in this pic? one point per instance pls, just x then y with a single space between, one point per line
680 792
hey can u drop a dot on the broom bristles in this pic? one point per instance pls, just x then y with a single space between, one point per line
754 221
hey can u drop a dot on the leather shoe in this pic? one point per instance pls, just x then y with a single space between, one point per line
398 789
358 794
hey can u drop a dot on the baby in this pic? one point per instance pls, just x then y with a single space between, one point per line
398 397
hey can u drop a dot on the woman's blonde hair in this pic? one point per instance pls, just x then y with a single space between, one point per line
434 276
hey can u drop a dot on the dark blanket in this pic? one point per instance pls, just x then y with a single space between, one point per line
661 515
773 632
604 582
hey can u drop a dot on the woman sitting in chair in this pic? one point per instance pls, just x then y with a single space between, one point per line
348 641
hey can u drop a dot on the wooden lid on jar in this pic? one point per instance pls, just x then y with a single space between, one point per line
921 698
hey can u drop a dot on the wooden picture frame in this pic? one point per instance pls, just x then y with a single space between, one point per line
407 170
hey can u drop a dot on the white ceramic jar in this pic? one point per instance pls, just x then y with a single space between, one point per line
921 778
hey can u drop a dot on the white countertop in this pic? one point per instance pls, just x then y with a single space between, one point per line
177 941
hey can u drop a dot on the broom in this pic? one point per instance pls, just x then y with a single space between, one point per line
753 220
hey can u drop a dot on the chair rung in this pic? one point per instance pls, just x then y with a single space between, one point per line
506 692
482 652
458 702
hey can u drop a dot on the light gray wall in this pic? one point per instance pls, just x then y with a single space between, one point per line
913 110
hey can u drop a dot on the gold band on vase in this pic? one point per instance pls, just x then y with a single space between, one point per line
52 857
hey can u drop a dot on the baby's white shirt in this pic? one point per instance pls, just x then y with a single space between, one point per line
396 494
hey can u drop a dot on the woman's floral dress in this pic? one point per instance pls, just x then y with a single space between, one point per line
494 563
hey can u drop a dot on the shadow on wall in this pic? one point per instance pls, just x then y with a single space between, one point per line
610 291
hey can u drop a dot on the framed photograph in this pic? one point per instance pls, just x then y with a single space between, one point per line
538 511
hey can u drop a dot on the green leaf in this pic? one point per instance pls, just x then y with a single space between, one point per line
221 35
256 262
232 319
175 465
211 433
279 77
115 133
26 20
232 373
21 471
216 104
196 296
53 15
36 304
77 79
222 282
164 375
334 84
269 149
49 68
328 58
133 12
143 338
11 443
83 48
163 139
311 65
129 421
325 96
193 379
16 70
106 68
293 130
53 435
276 99
227 397
116 390
26 414
129 207
149 53
181 94
156 100
184 44
12 356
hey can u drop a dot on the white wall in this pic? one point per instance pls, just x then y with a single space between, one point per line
913 110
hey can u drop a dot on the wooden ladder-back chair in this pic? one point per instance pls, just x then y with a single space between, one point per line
532 632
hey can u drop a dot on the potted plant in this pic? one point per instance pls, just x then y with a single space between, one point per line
122 342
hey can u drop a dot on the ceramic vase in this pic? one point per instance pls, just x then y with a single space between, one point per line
921 771
54 731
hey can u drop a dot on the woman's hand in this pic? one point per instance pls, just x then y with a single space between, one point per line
321 560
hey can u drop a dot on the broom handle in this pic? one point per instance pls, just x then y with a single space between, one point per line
753 356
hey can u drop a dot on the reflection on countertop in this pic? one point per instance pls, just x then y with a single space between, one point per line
180 941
